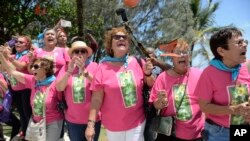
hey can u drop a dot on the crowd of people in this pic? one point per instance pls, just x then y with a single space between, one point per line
203 103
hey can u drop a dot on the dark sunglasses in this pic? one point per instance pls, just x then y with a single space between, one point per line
82 51
21 42
118 37
35 66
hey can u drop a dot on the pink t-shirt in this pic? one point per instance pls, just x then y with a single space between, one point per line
16 85
216 86
122 107
189 121
58 55
78 95
36 98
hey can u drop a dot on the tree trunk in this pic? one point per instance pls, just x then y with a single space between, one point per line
80 17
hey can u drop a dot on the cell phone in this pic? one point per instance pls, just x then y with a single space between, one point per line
65 23
11 43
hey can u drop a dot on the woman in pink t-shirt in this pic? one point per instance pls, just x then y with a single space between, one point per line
223 87
42 79
51 51
74 80
173 95
19 59
117 90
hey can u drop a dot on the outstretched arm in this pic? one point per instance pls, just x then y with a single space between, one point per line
11 70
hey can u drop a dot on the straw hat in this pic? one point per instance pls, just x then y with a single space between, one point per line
80 45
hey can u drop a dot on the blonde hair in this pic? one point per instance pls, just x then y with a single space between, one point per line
181 45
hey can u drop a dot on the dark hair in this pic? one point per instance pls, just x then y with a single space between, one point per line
220 39
46 64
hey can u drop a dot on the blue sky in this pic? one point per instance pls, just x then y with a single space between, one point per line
236 12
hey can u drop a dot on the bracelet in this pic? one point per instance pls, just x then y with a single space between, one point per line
148 74
91 123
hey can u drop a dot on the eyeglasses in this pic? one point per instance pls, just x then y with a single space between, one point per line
21 42
35 66
118 37
239 42
182 53
82 51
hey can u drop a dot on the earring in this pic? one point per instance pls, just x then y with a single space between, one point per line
111 51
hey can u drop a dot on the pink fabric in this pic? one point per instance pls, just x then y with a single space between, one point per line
58 55
52 114
19 85
115 116
191 127
72 114
214 87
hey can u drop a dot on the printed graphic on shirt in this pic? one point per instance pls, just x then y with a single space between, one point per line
79 95
128 88
13 81
184 112
49 57
39 103
239 94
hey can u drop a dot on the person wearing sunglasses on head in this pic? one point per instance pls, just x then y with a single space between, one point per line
19 59
173 95
43 93
223 88
117 90
74 80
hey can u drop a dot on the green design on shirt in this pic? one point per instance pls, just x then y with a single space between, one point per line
128 88
39 103
184 112
79 95
50 57
239 94
13 81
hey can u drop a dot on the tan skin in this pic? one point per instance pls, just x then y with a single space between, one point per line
155 61
120 48
40 73
180 67
77 61
61 39
20 46
231 57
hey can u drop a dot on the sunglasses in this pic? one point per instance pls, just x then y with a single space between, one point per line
21 42
35 66
82 51
118 37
